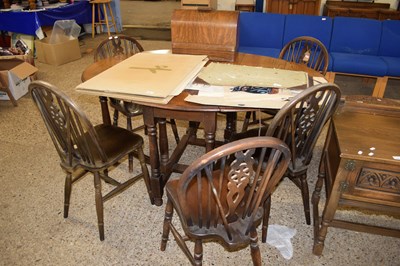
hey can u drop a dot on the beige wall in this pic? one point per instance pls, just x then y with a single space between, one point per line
230 4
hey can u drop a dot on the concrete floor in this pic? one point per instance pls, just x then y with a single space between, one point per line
34 232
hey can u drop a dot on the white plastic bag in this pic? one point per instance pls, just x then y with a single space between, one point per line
280 236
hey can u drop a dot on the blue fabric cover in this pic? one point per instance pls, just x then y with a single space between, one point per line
356 36
80 11
318 27
19 22
390 41
359 64
393 65
261 30
28 22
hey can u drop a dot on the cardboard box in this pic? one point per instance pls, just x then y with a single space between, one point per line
28 57
59 53
15 78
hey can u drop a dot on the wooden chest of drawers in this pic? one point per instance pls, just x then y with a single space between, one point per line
360 168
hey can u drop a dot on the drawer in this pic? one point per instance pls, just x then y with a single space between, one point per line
373 182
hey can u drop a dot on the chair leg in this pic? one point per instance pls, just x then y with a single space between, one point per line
115 117
167 224
106 19
93 19
130 162
99 204
128 123
246 121
112 18
254 248
67 193
306 197
175 130
267 210
315 201
198 252
145 171
130 156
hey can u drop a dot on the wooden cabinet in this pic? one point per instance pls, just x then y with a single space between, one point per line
305 7
371 10
358 167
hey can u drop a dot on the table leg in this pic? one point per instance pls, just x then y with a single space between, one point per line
209 131
163 139
104 110
155 176
230 129
329 212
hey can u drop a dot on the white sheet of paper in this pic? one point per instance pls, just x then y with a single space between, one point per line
208 90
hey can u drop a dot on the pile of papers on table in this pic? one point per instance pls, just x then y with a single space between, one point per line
146 77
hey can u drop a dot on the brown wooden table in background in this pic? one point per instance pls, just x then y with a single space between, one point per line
161 162
358 167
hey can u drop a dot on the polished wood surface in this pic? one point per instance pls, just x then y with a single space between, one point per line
161 162
358 167
213 33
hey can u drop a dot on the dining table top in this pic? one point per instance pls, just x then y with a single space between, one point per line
178 102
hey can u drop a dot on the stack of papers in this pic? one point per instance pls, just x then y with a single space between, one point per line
223 77
146 77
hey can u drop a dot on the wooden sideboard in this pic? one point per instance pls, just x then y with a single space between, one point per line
379 11
359 167
305 7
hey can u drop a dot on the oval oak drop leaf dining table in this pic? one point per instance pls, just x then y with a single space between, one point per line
161 162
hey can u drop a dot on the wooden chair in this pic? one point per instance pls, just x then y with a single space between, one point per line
307 50
299 123
302 50
120 46
85 148
220 196
124 46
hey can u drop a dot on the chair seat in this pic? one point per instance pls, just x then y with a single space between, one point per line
116 141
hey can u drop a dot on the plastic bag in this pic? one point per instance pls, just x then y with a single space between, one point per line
64 30
280 236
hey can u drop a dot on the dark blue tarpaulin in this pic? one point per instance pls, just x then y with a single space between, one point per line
29 22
